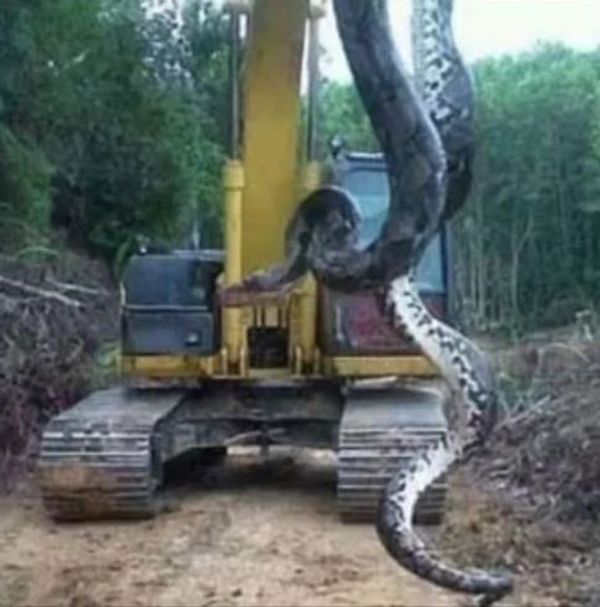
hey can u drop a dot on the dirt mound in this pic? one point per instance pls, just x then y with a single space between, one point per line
554 564
546 454
537 502
53 317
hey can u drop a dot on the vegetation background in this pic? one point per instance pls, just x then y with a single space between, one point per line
113 121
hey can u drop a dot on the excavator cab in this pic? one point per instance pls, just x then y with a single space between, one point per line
307 367
354 324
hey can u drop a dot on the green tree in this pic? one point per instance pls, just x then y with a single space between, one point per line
342 115
530 254
104 100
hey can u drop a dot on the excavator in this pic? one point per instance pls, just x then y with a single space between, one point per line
307 366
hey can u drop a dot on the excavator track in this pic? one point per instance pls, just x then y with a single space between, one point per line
100 459
382 430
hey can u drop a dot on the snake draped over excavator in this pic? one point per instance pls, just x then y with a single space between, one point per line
213 355
426 135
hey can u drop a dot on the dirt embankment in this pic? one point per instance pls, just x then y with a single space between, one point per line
536 491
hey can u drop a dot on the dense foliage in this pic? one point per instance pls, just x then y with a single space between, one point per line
342 115
113 117
527 247
529 237
110 121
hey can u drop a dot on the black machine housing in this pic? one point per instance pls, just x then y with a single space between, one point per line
170 303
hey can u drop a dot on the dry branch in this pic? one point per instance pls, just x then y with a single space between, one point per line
68 286
546 456
529 413
48 341
39 292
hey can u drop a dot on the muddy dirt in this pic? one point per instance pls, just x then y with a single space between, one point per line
253 532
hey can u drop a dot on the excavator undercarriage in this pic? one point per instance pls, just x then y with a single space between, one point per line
105 457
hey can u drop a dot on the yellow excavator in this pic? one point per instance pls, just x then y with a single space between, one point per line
308 367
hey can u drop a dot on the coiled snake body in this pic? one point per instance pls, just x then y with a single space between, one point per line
428 147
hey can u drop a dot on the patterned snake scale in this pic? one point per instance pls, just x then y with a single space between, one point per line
427 140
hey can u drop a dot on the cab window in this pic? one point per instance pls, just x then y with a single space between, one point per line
370 187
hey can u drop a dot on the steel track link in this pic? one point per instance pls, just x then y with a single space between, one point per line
380 432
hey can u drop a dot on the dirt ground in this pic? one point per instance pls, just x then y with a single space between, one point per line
250 534
253 532
266 532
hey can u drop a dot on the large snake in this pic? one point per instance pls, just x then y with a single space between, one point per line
428 148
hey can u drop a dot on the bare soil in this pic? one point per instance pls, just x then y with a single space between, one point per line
252 533
266 532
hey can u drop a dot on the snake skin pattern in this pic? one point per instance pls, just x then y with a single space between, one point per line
446 90
323 237
416 163
470 376
427 141
447 95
